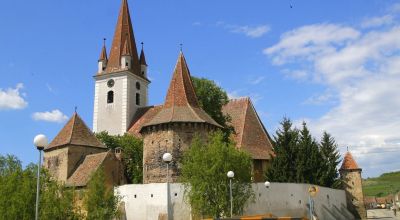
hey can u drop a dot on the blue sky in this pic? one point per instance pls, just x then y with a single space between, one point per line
334 64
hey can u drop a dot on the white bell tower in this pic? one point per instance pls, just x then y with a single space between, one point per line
120 85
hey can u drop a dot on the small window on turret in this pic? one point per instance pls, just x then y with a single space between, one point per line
137 99
142 72
137 85
110 97
126 64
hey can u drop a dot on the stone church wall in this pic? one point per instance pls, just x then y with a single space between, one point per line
62 162
173 138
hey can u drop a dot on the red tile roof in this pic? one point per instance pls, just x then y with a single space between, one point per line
142 116
90 164
123 33
142 59
75 132
349 163
103 54
181 104
251 134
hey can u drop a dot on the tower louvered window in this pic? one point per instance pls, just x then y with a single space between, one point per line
110 97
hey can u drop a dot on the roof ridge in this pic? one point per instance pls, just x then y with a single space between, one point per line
72 128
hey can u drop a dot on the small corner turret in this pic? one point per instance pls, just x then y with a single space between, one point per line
350 173
103 58
143 64
126 56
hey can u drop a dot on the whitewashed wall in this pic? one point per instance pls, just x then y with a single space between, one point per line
281 199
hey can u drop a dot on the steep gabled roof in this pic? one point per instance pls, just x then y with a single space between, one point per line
349 163
250 133
123 32
75 132
90 164
181 104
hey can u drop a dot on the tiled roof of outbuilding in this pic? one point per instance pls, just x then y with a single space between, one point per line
75 132
251 134
349 163
90 164
181 104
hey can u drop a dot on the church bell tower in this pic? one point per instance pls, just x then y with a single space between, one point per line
121 84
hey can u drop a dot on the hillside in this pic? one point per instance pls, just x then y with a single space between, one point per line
383 185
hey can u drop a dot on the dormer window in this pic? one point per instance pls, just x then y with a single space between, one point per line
110 97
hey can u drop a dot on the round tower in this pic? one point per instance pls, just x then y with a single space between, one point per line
173 127
350 174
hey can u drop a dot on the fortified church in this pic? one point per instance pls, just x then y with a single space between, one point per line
121 106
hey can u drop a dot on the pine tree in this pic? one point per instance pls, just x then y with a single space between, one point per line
331 159
283 165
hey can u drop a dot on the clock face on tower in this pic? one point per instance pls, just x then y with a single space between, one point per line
110 83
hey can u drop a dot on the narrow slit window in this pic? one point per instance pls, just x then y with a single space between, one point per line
137 99
110 97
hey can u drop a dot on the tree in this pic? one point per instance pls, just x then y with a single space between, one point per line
204 170
18 193
331 156
283 165
100 201
212 98
132 153
309 163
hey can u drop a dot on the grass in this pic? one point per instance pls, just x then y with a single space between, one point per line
385 184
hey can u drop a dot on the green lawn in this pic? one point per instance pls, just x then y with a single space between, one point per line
383 185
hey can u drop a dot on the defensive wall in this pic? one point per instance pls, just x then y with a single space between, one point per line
149 201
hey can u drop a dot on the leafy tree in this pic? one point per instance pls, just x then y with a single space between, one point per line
331 156
204 170
283 165
100 201
212 98
132 153
18 193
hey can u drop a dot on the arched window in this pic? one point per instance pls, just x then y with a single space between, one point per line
110 97
137 99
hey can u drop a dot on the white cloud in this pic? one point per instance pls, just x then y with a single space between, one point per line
257 80
361 71
250 31
377 21
11 98
53 116
310 42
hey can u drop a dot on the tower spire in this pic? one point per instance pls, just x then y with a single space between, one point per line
103 54
123 33
142 59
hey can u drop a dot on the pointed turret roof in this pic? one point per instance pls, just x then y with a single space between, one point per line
181 91
349 163
123 32
75 132
103 54
181 104
142 59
